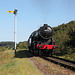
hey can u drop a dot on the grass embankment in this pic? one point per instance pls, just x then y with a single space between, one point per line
9 65
69 57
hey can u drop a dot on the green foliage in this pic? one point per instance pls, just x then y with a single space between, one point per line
22 45
69 56
3 48
8 45
64 36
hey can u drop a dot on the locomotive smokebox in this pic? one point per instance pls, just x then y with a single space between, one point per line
46 32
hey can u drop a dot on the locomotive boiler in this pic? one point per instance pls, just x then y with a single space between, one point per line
41 41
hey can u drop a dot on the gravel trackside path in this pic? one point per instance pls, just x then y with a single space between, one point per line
44 67
48 68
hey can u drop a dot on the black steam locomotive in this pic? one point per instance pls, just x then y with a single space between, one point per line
41 41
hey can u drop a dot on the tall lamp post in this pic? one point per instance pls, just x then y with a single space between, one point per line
14 12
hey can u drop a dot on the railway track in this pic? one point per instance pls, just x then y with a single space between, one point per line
62 62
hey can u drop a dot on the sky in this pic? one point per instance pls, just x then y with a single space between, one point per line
31 15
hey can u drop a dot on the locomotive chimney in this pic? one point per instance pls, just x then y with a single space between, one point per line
45 25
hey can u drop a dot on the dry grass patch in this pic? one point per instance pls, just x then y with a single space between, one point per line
15 66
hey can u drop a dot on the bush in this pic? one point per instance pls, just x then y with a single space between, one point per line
64 36
3 48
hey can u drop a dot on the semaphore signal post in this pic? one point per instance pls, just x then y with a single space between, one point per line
14 12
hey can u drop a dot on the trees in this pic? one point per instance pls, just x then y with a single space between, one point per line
8 45
22 45
64 38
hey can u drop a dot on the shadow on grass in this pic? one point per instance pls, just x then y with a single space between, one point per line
23 54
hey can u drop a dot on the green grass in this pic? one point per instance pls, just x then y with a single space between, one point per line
69 57
9 65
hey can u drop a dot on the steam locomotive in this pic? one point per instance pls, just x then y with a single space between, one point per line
41 41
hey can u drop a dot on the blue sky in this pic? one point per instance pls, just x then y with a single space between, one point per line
31 15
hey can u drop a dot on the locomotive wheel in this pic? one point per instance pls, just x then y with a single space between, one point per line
51 52
33 51
29 49
48 53
38 52
34 48
43 52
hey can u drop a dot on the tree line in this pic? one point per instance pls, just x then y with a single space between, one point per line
64 36
10 45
